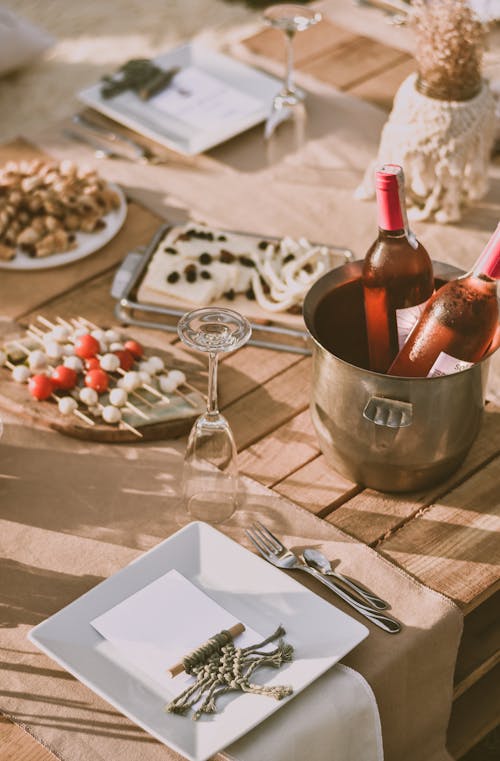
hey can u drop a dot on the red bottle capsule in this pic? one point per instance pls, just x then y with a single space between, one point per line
98 380
126 359
64 377
135 348
40 387
86 346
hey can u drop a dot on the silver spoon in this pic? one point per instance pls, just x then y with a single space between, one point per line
316 559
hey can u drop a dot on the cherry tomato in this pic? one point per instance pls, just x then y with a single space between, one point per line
126 359
92 363
86 346
64 377
40 387
135 348
98 380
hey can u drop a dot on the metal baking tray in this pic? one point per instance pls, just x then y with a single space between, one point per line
266 333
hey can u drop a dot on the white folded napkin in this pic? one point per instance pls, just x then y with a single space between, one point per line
334 719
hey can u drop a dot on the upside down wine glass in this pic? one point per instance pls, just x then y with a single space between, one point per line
285 129
210 474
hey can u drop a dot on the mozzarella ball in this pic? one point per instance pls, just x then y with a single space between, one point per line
116 346
99 335
110 363
156 364
111 414
21 373
177 377
167 385
80 332
75 363
131 381
37 360
88 396
68 350
112 336
53 350
118 397
3 357
67 405
145 377
60 334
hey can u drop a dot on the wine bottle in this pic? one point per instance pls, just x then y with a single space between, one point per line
397 273
458 323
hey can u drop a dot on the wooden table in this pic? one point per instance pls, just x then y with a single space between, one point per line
440 535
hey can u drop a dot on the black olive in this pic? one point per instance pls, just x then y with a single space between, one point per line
205 275
173 277
246 261
205 258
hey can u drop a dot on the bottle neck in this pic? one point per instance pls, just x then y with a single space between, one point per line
488 264
391 204
391 234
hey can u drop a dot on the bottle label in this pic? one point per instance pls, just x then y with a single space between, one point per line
445 364
406 319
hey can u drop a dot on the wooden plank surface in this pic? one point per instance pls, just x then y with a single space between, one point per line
453 545
474 714
307 46
479 650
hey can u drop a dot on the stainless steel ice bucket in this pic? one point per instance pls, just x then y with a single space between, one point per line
388 433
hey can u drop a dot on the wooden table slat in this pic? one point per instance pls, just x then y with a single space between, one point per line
453 545
474 714
353 63
308 45
479 650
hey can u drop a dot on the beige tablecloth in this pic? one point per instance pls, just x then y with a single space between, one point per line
73 513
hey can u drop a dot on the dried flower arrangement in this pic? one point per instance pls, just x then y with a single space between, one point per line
450 42
442 124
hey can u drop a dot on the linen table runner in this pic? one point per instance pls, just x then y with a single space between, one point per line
72 513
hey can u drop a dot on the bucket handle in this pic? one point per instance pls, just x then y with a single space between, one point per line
390 413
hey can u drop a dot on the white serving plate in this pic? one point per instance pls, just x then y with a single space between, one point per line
245 585
87 243
141 116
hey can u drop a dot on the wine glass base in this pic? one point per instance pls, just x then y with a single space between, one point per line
211 506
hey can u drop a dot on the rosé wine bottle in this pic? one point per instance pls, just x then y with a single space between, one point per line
397 273
458 324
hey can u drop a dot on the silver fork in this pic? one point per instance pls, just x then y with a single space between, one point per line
142 153
275 552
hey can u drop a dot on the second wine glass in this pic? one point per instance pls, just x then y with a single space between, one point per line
210 473
285 129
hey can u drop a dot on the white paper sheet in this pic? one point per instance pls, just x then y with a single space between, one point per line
157 626
198 98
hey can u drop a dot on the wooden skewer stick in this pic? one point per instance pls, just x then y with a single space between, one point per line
78 413
178 668
124 424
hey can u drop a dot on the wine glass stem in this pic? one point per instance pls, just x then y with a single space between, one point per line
212 407
289 85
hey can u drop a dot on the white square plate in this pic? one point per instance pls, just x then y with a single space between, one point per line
248 587
142 116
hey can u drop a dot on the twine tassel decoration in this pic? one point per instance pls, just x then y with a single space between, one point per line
220 667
